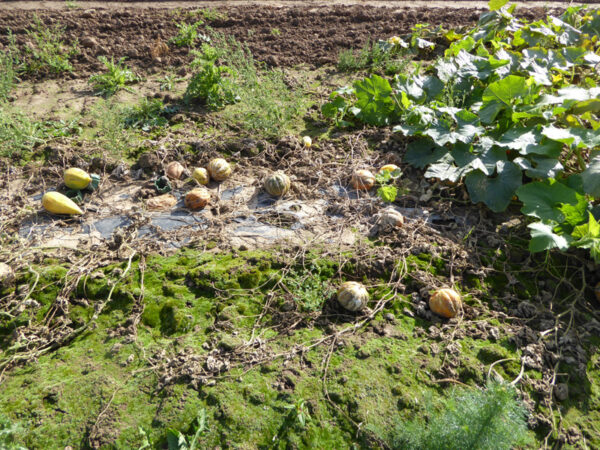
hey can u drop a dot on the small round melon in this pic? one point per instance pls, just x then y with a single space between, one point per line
197 198
445 302
391 217
219 169
200 174
174 170
352 296
390 168
277 184
362 180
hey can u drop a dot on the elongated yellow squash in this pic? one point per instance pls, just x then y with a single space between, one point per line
76 178
56 203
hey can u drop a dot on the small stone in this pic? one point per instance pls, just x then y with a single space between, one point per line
7 275
561 392
363 354
389 317
89 42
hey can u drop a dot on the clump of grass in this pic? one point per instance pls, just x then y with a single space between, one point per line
8 75
489 419
47 52
116 77
109 124
19 134
187 34
372 57
209 14
269 102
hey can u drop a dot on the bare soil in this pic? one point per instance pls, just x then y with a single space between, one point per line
306 35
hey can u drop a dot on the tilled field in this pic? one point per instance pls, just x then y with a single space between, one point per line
141 325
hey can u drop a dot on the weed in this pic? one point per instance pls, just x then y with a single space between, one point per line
148 114
374 57
46 52
176 440
299 411
187 34
8 75
8 432
475 419
310 292
110 134
211 84
168 82
209 14
268 105
19 134
71 4
117 77
275 31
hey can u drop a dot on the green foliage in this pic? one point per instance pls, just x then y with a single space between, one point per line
385 57
109 131
211 84
176 440
386 190
511 102
267 102
148 114
116 77
8 72
475 419
309 290
8 432
46 51
19 133
187 34
168 82
208 14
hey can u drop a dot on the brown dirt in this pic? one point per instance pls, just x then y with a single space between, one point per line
308 35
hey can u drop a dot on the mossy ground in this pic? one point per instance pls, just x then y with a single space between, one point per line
101 389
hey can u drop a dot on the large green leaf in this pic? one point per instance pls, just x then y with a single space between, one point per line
501 94
497 191
591 177
423 152
539 167
588 236
496 4
544 238
374 104
542 199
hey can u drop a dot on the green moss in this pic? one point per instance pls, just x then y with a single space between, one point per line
194 298
173 319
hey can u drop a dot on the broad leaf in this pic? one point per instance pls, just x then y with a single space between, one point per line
539 167
588 236
591 177
423 152
373 100
387 193
496 192
496 4
542 199
501 94
544 238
